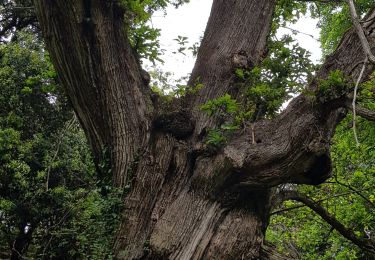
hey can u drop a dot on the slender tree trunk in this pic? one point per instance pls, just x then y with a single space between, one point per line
186 200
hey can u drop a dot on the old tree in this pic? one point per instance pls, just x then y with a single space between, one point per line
188 198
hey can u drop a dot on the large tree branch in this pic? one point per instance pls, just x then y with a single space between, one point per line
295 146
278 200
89 49
235 36
364 244
361 111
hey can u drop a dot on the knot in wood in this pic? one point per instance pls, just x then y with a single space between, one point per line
241 60
318 146
177 123
146 78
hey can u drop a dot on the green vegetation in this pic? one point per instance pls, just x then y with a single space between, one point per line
348 195
334 22
52 203
334 86
143 37
263 89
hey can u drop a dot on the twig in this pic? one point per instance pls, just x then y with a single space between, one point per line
354 190
62 220
321 200
252 133
47 245
287 209
297 31
15 250
68 126
364 244
318 201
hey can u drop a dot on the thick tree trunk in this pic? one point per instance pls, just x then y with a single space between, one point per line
101 76
187 201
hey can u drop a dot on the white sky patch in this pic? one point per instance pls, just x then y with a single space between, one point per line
190 21
306 27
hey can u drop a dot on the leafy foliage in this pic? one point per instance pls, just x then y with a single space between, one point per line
143 37
333 18
52 203
288 12
335 86
334 21
349 195
226 108
215 137
223 105
16 15
282 74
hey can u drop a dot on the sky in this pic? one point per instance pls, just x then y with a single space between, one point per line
190 21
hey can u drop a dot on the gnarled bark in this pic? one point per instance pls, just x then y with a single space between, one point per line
187 201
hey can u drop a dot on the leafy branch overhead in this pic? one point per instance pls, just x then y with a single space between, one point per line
283 74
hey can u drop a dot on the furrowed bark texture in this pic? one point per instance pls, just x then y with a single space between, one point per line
101 76
188 201
182 218
236 36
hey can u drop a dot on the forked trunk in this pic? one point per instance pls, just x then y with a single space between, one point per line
186 200
173 211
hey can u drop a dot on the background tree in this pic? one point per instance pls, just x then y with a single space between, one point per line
52 204
348 196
